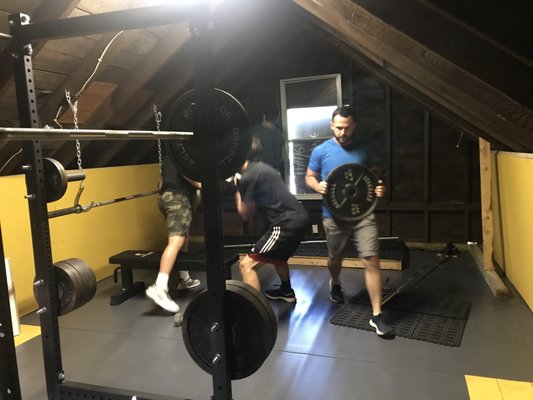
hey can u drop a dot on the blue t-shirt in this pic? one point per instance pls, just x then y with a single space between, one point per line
330 155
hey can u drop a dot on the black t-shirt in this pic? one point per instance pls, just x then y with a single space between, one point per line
271 147
173 181
262 184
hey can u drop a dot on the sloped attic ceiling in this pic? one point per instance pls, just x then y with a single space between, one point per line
471 80
463 69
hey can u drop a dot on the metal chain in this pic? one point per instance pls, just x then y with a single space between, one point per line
74 108
78 155
158 116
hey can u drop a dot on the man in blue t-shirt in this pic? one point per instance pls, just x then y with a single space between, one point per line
337 151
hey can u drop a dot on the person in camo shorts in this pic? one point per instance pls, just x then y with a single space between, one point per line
175 200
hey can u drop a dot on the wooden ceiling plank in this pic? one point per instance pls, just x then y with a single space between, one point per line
47 11
182 77
146 69
134 104
121 119
93 96
52 61
172 42
443 81
83 71
380 69
23 6
183 74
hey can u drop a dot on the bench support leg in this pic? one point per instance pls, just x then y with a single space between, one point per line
129 289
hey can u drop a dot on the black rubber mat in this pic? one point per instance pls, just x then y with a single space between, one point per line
435 320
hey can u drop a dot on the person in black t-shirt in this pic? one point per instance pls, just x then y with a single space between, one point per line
261 188
175 199
272 142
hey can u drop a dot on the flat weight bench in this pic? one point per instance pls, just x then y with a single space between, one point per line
146 259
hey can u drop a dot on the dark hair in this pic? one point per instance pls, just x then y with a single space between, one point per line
344 112
255 149
271 115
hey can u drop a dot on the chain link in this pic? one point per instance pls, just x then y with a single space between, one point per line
78 154
158 116
74 108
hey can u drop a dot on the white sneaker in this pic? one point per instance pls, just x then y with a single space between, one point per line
188 284
162 299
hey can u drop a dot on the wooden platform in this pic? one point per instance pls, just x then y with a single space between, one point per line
393 253
347 262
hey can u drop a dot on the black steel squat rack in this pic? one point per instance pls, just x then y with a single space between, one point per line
23 34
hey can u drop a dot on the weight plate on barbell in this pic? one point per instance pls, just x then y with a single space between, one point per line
86 277
229 137
75 282
55 179
252 325
350 195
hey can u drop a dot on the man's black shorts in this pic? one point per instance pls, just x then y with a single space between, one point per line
277 245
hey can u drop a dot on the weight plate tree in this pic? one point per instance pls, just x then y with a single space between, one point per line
232 136
350 195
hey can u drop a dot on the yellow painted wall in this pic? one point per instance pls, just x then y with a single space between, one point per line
91 236
513 219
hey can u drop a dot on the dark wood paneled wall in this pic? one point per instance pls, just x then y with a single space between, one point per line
431 169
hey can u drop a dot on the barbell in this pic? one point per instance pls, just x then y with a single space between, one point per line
56 179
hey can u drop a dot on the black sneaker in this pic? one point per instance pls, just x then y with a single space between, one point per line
336 294
277 294
379 324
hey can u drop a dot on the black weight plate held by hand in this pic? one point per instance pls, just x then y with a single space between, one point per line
229 137
253 330
350 195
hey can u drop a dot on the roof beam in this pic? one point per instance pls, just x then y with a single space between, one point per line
452 88
452 39
171 43
47 11
147 68
83 70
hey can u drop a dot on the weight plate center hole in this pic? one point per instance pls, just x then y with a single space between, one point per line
350 192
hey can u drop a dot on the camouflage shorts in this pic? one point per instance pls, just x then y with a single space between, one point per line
177 210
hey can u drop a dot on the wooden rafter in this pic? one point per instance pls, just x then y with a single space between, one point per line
47 11
147 68
81 73
133 84
483 106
